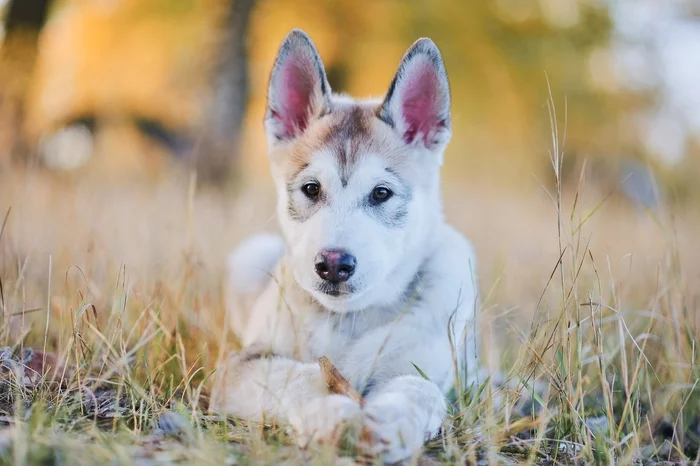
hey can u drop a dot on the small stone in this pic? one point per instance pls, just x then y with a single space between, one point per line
6 434
598 425
344 461
27 355
665 429
172 423
6 354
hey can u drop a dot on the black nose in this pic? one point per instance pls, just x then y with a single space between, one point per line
335 265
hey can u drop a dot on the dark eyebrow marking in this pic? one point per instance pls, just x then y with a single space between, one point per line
301 169
346 136
407 192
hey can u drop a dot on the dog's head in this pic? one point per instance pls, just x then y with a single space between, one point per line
358 181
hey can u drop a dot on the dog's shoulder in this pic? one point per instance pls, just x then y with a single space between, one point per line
450 279
453 255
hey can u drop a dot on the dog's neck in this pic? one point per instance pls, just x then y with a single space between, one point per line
403 283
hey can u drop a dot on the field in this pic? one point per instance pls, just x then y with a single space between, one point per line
113 299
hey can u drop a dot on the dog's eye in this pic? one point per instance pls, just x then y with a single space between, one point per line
381 194
311 190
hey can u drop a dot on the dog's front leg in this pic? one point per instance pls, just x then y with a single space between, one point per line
265 388
401 414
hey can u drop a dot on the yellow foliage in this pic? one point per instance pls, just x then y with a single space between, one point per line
117 57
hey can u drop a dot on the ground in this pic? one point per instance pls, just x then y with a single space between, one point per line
114 318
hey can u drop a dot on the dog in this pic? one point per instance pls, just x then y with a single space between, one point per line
367 272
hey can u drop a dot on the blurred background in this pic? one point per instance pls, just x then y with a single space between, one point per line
106 106
175 79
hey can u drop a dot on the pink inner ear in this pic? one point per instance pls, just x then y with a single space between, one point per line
295 93
420 101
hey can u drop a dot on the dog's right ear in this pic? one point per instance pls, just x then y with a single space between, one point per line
298 91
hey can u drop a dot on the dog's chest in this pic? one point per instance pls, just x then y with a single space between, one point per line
333 335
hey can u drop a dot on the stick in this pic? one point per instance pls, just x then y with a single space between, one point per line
336 382
339 385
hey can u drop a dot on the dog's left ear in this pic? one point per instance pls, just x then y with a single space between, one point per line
417 104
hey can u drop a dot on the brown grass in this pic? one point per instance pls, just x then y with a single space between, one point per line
132 278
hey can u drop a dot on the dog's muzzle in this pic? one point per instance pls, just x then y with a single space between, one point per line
335 266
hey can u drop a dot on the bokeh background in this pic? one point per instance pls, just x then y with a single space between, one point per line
626 70
108 108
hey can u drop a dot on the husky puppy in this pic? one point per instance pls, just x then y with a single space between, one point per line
367 272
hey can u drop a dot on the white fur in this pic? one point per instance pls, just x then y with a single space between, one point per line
250 267
412 301
251 264
378 345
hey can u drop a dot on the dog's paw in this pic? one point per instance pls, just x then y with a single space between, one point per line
398 427
324 419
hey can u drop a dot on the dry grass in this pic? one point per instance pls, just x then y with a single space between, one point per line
590 308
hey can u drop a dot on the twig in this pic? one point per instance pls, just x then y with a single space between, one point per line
336 382
339 385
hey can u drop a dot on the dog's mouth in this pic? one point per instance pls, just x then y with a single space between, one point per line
336 290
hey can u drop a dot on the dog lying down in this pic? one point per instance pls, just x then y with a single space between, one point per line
367 272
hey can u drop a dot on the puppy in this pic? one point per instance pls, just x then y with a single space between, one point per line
367 272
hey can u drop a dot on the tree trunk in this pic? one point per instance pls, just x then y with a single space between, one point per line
218 149
23 23
26 14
